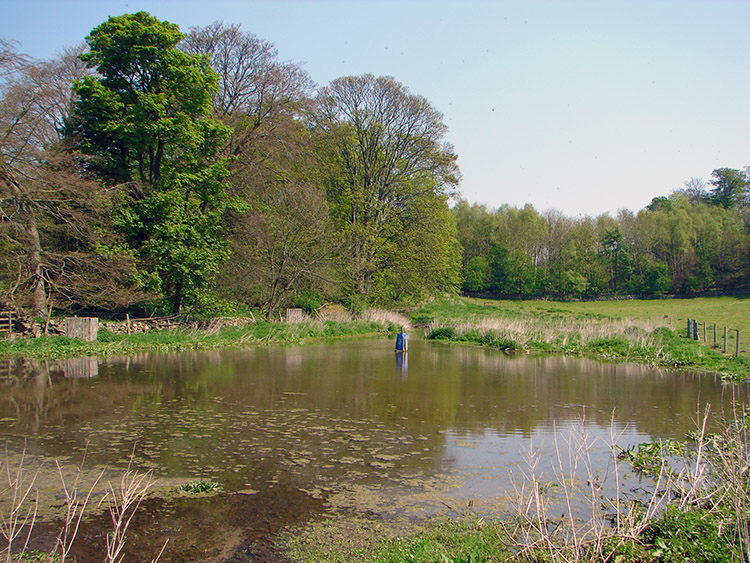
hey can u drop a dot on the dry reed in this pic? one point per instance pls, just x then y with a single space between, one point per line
560 332
562 516
19 515
384 317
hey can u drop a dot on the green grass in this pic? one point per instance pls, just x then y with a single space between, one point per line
180 339
732 312
442 542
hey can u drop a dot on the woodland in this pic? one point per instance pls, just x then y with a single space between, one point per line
159 171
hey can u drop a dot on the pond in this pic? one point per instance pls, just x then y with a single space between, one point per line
297 433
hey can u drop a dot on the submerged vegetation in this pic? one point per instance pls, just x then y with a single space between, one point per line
201 486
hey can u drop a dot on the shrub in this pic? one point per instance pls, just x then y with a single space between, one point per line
442 333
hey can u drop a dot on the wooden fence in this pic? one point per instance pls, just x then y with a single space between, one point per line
6 321
695 329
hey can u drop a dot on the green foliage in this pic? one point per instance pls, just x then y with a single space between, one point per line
199 487
442 333
145 118
615 346
489 338
730 187
691 535
651 458
476 274
388 175
421 318
308 300
676 244
355 303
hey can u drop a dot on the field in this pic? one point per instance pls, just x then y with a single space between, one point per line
730 312
648 331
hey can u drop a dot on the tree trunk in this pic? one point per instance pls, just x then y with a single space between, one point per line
177 299
32 244
34 252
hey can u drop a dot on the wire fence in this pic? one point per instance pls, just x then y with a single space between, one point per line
721 337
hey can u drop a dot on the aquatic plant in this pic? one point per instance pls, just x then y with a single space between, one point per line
200 486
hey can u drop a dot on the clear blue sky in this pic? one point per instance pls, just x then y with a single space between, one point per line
582 106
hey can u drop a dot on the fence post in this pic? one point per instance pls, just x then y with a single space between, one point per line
689 327
737 349
725 340
714 335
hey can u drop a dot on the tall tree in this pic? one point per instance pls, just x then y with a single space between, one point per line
146 119
385 148
52 220
256 90
617 258
730 187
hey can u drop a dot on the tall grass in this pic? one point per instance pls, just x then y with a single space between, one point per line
213 336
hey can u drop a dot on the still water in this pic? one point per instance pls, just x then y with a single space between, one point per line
334 426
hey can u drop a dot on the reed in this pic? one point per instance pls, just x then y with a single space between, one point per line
18 514
387 318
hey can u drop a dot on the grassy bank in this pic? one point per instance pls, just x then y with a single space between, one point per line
621 330
180 339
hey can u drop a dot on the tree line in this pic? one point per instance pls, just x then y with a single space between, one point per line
152 166
149 167
696 239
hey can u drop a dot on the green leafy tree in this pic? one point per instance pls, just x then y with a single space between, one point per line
476 274
144 119
616 256
730 187
387 163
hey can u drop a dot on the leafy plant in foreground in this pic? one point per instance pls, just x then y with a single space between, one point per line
200 486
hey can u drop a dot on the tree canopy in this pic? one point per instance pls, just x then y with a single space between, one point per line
146 119
386 159
169 169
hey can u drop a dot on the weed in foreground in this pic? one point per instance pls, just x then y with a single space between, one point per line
18 518
696 510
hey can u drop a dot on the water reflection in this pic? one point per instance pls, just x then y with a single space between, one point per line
402 364
331 418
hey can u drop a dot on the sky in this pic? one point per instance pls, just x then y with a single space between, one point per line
586 107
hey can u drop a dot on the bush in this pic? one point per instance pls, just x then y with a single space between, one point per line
442 333
308 301
692 535
422 318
